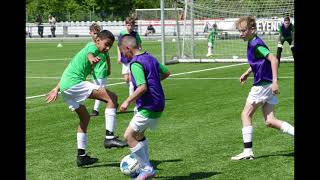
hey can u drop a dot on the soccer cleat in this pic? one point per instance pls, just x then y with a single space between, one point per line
115 142
243 156
145 174
209 55
94 113
85 160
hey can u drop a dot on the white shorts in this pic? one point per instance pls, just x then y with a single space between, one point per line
78 93
262 94
140 123
209 44
100 82
125 68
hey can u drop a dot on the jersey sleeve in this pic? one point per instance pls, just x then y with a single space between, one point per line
138 39
261 51
138 73
92 48
163 69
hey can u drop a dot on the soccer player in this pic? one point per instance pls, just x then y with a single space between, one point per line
146 74
264 67
211 38
286 33
75 90
130 24
101 70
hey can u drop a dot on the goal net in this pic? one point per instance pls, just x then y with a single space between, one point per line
188 41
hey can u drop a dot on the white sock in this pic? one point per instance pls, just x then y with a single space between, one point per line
110 119
146 151
287 128
138 150
81 140
96 105
209 50
247 136
131 88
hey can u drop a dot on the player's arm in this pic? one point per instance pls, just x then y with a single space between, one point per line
53 94
164 72
119 55
92 59
138 74
245 75
108 64
274 66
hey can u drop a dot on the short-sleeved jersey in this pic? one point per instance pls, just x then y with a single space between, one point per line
212 35
100 69
133 34
153 98
261 67
79 67
286 32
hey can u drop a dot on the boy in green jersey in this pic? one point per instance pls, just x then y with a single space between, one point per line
101 70
211 38
75 90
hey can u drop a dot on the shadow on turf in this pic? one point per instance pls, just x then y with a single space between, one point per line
155 163
197 175
280 153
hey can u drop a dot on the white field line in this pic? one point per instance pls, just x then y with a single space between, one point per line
222 78
177 74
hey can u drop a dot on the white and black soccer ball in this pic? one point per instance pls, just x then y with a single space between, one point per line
129 165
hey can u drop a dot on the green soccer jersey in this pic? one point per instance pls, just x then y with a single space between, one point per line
138 74
212 35
100 69
79 67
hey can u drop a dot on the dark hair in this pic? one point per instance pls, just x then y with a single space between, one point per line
287 18
130 20
105 34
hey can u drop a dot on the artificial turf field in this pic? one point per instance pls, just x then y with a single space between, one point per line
198 133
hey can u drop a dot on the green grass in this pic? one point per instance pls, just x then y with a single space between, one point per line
198 133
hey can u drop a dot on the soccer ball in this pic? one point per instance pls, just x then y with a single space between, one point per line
129 165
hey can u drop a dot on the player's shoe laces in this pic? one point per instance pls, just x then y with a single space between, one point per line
243 156
94 113
115 142
145 174
85 160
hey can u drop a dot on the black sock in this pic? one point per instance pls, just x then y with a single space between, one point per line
81 152
108 133
247 145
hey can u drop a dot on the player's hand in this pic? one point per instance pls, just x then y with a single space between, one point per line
95 60
124 106
52 95
275 89
243 78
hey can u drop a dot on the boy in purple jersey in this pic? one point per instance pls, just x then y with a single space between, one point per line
146 75
286 33
264 66
122 59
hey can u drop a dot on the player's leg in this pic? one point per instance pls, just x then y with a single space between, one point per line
138 143
291 47
102 83
247 131
110 116
273 122
83 158
209 49
279 49
74 97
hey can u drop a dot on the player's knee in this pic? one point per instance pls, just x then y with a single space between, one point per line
269 122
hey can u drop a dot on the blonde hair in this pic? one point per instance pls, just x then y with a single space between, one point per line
95 27
130 20
250 22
